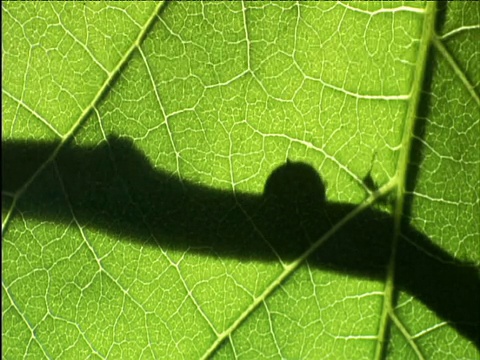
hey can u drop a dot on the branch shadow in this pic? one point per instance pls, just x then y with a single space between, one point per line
113 187
417 148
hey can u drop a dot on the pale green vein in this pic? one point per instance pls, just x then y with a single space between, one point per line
86 112
401 175
384 10
25 320
81 332
162 109
272 330
458 71
81 44
406 334
459 31
244 13
357 95
429 330
33 112
25 79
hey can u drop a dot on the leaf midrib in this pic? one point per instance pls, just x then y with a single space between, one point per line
401 176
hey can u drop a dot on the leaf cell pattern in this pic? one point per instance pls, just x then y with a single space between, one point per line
220 94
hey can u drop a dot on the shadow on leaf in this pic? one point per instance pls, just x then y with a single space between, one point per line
113 187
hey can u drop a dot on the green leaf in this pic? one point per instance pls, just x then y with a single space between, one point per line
241 180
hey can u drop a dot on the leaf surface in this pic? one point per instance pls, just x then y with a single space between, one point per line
161 191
